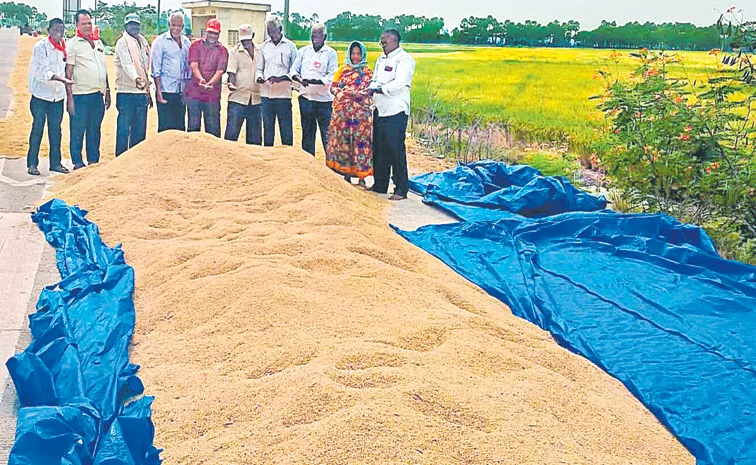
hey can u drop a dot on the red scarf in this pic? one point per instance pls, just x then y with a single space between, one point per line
59 46
94 36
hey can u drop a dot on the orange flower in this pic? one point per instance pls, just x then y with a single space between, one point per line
617 131
708 170
679 99
688 128
684 136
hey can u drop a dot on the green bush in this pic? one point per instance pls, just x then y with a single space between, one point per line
684 148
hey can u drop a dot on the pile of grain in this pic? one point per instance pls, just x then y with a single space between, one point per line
280 320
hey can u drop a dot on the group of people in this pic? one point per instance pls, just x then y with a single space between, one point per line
361 114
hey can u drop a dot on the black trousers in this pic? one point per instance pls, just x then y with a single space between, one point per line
390 153
314 114
43 111
277 109
238 115
171 115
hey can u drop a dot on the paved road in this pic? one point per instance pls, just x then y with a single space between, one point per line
27 264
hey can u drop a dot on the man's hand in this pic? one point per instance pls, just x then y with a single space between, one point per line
62 79
140 83
107 99
160 99
150 104
231 86
71 108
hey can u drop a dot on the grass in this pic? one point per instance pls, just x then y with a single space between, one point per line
541 94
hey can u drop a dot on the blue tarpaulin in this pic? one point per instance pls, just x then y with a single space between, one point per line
642 296
77 389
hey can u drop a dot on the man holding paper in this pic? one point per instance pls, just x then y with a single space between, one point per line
132 62
390 89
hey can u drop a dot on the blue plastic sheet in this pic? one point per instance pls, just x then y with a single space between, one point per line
642 296
75 384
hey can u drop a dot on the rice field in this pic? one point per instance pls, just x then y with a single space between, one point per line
542 94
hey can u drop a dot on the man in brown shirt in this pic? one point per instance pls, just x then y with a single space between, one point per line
244 98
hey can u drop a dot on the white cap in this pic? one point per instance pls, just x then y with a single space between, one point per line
245 32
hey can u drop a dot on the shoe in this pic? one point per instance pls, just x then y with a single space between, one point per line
373 189
79 166
33 171
59 169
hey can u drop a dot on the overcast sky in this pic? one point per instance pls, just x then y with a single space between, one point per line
588 12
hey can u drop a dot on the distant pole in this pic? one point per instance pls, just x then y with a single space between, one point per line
158 17
286 17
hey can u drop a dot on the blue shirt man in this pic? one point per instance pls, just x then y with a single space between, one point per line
171 72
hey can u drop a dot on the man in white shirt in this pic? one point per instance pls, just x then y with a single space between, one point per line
277 56
47 70
390 89
132 63
314 69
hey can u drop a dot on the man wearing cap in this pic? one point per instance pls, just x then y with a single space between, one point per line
314 69
132 61
244 96
277 55
89 96
171 71
208 59
47 70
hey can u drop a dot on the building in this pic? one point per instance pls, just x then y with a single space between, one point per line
231 15
69 8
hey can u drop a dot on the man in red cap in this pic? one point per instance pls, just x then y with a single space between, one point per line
208 59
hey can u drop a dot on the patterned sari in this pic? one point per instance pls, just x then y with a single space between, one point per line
350 140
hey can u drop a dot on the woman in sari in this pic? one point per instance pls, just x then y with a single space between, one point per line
350 140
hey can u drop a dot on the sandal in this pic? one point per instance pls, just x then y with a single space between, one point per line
59 169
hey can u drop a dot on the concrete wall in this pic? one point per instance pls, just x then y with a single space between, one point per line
230 20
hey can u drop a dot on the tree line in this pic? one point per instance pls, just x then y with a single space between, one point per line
19 14
490 31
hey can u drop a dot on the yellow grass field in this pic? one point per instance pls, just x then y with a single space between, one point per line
542 94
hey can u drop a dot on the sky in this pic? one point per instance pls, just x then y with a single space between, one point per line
588 12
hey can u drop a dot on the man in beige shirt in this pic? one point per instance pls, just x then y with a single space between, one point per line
244 98
132 63
89 95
